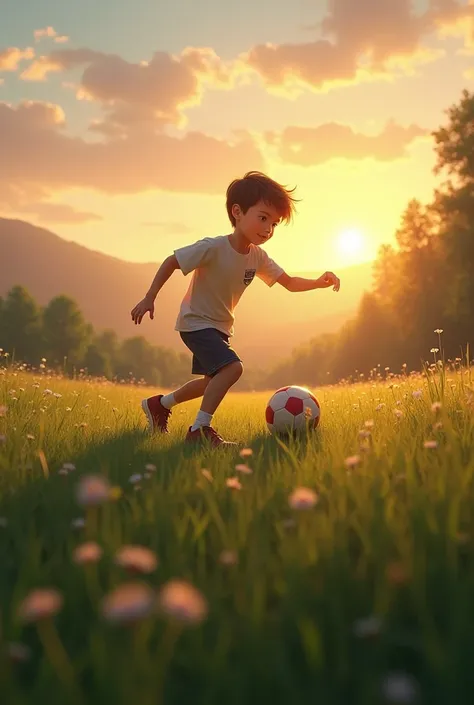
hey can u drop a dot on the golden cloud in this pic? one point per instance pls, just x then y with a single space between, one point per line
44 32
39 69
11 57
154 91
50 33
370 40
358 40
463 28
39 158
59 60
311 146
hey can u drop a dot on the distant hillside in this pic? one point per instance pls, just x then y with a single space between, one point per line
270 322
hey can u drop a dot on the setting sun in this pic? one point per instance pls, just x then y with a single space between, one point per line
350 242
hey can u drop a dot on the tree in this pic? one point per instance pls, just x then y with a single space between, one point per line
137 360
454 143
385 274
67 335
454 203
375 337
108 343
419 299
416 227
20 331
106 346
307 365
97 362
173 367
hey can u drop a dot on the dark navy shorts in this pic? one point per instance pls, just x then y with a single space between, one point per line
211 350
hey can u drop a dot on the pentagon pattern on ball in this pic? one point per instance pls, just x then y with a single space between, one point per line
292 409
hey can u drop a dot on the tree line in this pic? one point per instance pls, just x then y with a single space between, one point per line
422 286
60 334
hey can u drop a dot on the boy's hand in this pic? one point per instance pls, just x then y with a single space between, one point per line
141 308
330 279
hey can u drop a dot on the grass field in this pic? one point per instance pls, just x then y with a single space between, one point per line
365 597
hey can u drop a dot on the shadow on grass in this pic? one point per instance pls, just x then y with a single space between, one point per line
129 452
120 455
126 454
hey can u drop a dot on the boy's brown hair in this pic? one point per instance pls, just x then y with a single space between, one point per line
256 186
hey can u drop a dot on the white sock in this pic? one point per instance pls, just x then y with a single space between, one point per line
202 419
168 400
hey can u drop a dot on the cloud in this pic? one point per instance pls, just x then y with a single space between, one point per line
171 228
50 33
40 158
59 213
11 57
132 94
45 32
358 40
59 60
310 146
463 28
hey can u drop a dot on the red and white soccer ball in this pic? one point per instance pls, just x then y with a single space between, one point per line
292 409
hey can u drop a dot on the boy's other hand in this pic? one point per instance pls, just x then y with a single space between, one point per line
330 279
141 308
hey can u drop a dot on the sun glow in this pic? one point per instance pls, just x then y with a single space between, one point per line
350 242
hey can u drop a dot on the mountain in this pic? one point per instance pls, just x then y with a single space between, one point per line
269 322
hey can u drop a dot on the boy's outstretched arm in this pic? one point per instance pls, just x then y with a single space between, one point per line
301 284
148 303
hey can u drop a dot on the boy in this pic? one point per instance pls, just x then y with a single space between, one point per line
223 266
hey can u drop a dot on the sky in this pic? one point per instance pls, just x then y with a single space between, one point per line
122 123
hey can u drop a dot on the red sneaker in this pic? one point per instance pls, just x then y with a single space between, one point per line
207 433
156 413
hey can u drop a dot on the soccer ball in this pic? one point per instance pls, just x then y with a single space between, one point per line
292 409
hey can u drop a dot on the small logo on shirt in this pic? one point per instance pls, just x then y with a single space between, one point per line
249 276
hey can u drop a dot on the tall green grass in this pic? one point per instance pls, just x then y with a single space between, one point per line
365 598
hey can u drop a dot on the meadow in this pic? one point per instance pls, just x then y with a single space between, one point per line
336 567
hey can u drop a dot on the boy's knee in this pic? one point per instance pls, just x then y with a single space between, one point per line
233 369
237 368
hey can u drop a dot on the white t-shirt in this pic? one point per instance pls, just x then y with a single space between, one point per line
220 277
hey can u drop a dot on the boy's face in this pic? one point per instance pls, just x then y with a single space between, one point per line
258 224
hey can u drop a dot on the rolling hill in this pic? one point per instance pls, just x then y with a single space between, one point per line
270 322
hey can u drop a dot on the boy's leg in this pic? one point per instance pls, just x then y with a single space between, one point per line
191 390
213 357
219 385
158 408
216 390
